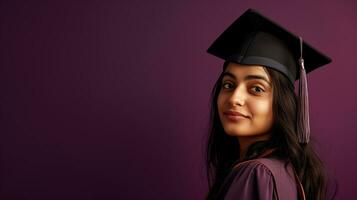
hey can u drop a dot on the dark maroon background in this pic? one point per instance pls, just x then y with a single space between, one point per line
109 99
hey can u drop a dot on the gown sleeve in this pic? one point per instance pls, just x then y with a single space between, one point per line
252 181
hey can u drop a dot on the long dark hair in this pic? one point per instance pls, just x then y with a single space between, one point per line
222 150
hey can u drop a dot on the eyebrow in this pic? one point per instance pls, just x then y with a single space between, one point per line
248 77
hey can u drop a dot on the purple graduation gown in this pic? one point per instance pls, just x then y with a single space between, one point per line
262 179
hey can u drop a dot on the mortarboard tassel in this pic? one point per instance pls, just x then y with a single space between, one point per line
303 109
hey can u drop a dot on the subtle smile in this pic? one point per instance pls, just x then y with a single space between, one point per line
234 115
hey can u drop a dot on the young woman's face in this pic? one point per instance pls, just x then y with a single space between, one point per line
245 101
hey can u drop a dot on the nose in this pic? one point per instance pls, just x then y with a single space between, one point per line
238 97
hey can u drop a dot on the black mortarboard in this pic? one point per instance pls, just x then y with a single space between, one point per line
254 39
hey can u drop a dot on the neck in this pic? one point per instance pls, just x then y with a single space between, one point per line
245 142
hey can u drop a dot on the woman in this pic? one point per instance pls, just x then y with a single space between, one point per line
258 147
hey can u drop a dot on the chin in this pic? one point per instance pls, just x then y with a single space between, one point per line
234 131
242 130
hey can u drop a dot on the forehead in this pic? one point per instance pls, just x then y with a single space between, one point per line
241 71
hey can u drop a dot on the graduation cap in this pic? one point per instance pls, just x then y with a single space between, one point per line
254 39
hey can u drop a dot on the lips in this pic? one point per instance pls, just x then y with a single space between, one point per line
235 114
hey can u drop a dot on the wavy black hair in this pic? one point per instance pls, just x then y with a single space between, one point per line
222 150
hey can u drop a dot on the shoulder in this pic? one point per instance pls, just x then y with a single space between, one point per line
254 164
274 171
267 162
280 170
256 171
251 180
262 178
251 169
272 166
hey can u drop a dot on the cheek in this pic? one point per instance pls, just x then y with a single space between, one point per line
262 110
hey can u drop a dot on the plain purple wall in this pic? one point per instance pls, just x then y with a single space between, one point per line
109 99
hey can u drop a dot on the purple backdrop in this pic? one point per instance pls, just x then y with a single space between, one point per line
109 99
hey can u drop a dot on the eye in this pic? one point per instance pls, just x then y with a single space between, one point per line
227 85
257 89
